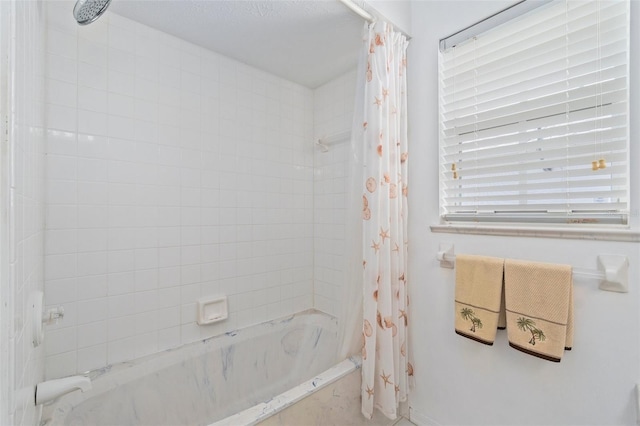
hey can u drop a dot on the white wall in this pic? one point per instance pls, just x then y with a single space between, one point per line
397 12
333 114
22 97
172 173
459 381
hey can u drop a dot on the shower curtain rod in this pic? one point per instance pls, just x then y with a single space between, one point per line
358 10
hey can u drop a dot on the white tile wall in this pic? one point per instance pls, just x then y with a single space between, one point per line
333 114
172 173
23 202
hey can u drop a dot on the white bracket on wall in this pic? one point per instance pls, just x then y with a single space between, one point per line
615 269
40 318
446 255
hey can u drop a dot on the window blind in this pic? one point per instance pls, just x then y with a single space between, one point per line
534 118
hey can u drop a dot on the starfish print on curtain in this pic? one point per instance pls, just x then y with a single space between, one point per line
385 366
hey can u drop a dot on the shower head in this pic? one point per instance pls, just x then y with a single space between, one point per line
87 11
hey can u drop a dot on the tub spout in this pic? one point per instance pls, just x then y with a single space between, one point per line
52 389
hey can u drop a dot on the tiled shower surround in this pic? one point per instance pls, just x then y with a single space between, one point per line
22 200
333 114
172 173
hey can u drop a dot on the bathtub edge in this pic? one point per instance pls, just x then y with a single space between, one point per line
259 412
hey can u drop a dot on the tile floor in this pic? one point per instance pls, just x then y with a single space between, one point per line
403 422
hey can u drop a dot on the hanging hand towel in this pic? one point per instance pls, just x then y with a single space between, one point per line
478 296
539 306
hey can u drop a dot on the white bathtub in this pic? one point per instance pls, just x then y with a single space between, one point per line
239 378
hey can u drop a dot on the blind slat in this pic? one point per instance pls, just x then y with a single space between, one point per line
529 108
543 177
537 114
545 150
604 185
557 207
485 99
568 43
532 197
610 113
487 167
522 130
530 30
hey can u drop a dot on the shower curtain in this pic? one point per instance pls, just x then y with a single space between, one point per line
385 365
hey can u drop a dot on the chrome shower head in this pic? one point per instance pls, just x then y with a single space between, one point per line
87 11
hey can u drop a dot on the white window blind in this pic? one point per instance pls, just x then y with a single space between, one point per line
534 118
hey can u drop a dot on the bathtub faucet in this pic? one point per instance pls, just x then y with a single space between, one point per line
52 389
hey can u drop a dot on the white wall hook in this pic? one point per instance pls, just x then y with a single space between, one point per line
323 146
446 250
53 315
616 272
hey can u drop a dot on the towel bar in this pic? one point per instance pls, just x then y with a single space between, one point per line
612 273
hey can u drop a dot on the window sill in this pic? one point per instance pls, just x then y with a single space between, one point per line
577 233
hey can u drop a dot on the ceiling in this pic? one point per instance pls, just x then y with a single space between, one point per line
308 42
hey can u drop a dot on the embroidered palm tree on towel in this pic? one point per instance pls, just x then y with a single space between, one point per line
527 324
468 315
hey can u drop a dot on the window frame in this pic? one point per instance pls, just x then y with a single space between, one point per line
531 224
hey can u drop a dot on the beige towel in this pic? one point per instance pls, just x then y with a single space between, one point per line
539 306
478 296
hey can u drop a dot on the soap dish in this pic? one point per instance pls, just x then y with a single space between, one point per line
212 309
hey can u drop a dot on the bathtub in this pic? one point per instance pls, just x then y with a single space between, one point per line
238 378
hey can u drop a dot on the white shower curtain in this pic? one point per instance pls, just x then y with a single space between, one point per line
385 367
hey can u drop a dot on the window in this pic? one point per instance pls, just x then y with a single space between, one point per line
534 118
